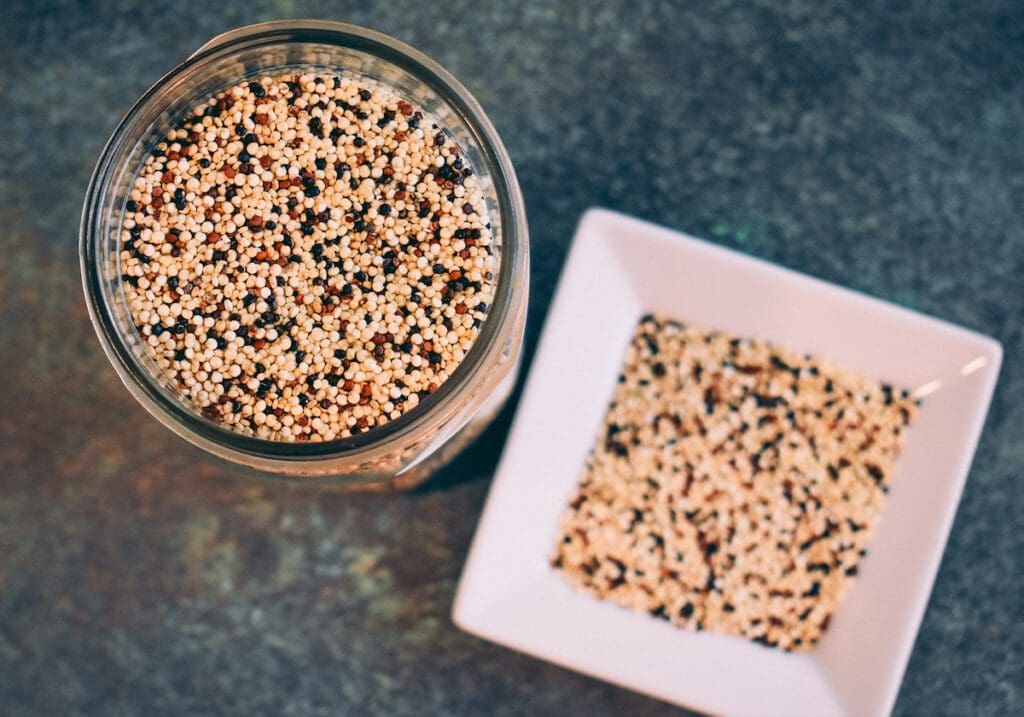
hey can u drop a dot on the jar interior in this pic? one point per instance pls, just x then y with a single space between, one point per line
215 70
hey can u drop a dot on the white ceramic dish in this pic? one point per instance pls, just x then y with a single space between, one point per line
619 269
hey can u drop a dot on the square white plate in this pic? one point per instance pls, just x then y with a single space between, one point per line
619 269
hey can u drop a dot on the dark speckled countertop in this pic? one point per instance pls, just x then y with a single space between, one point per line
877 145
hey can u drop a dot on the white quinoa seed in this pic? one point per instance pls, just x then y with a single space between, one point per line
734 486
307 256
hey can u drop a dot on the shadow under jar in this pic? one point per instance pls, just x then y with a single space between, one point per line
405 450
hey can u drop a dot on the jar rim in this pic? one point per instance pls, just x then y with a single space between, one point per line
509 289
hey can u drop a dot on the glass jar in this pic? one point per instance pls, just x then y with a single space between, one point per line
407 449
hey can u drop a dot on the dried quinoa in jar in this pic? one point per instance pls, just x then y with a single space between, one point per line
305 251
307 256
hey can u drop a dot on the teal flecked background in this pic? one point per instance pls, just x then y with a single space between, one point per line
873 144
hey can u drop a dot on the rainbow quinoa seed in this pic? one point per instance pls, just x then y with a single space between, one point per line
734 486
307 256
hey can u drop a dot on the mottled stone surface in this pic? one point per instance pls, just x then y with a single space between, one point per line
877 146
